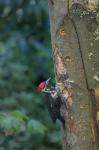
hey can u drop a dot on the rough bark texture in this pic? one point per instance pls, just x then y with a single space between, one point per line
75 43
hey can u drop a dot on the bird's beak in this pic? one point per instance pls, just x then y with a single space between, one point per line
46 90
47 81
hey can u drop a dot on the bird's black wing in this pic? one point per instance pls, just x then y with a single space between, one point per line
53 107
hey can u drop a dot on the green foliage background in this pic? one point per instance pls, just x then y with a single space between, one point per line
25 61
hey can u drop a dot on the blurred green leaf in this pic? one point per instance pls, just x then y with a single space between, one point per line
36 127
11 124
55 137
19 115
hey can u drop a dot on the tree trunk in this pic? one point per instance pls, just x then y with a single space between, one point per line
75 43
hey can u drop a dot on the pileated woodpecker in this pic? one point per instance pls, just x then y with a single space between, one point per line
53 100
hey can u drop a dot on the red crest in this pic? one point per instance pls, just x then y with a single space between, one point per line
41 86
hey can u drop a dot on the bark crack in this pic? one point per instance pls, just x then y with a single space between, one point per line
79 45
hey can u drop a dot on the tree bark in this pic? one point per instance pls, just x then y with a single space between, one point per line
75 43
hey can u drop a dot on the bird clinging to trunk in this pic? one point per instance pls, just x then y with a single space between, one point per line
53 100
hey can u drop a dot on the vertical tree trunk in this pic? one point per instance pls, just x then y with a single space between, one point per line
75 43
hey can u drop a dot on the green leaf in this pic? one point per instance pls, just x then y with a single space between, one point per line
55 137
19 115
11 125
36 127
